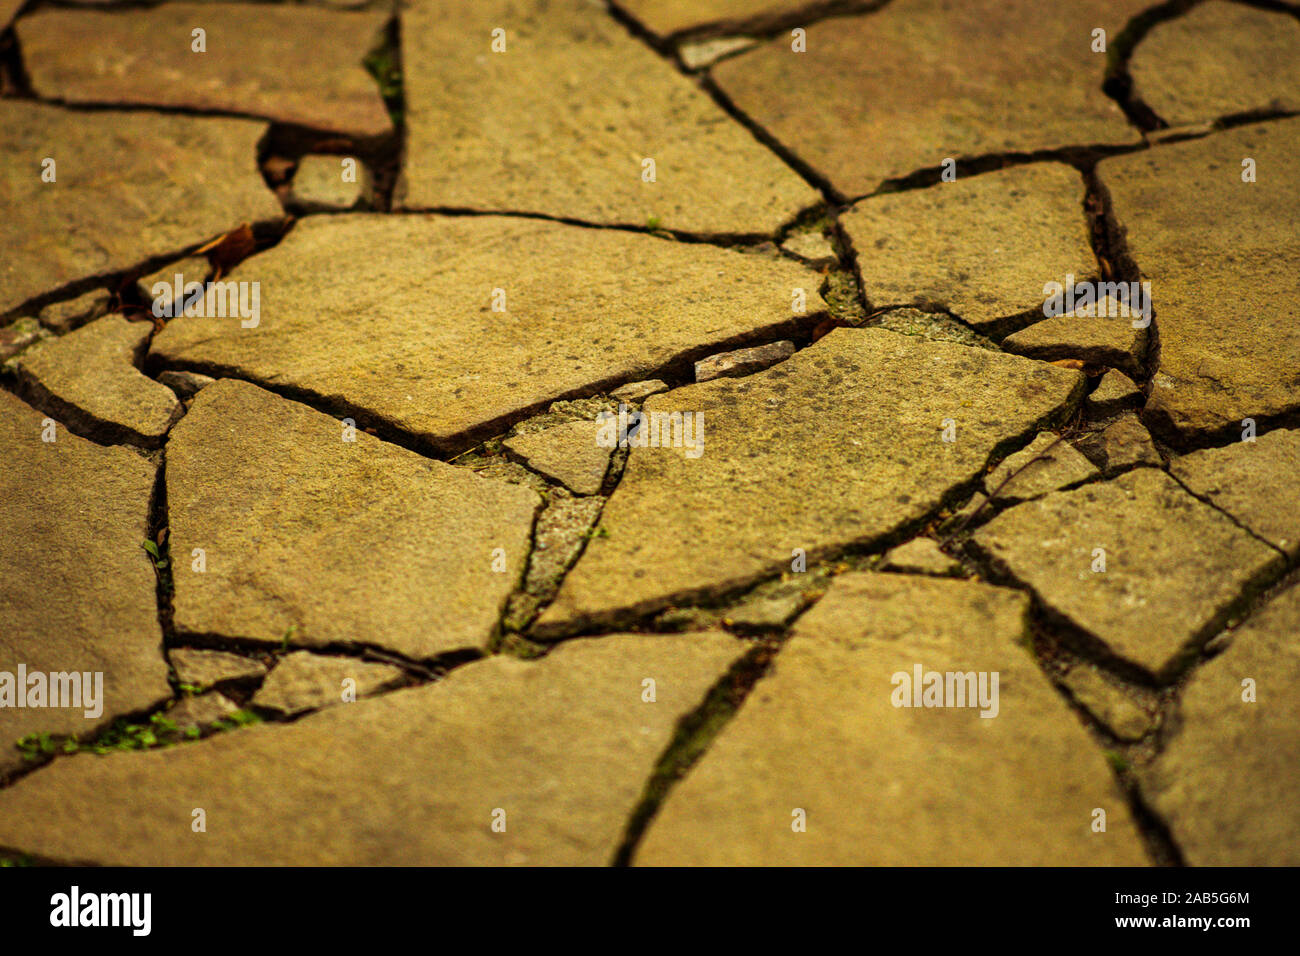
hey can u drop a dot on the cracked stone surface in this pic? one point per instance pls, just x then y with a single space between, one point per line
319 541
1019 788
1218 59
567 453
1252 481
1221 256
89 380
76 588
1174 567
251 64
525 129
1108 339
682 651
680 526
203 668
1044 465
176 180
410 777
947 79
426 310
1223 742
982 247
305 681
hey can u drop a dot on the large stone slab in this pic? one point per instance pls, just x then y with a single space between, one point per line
411 339
1221 256
557 749
77 592
854 423
886 94
319 541
1255 62
129 186
1174 566
254 62
567 453
88 379
532 129
884 785
982 247
1255 482
1226 784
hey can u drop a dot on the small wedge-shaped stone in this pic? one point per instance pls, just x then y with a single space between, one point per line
1226 782
1115 392
842 424
77 592
1103 339
901 89
127 186
1255 482
411 338
1123 444
319 540
1216 60
306 681
668 17
742 361
253 61
202 668
822 740
982 247
1221 256
921 556
554 751
1046 464
567 453
1173 566
89 380
530 129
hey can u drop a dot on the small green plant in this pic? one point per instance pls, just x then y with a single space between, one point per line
160 561
652 223
1118 762
288 636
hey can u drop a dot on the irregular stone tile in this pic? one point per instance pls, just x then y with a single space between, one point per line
558 538
742 361
1044 465
253 63
18 335
320 541
1252 481
425 305
1096 340
567 453
319 183
1124 443
88 379
811 246
306 681
1225 783
945 80
1175 567
669 17
159 288
129 185
1217 59
843 423
1115 391
636 391
1221 256
1112 707
202 668
412 777
933 327
982 247
192 714
770 608
561 145
77 592
184 384
921 556
1019 788
70 313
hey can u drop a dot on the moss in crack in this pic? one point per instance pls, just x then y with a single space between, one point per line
384 63
124 735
